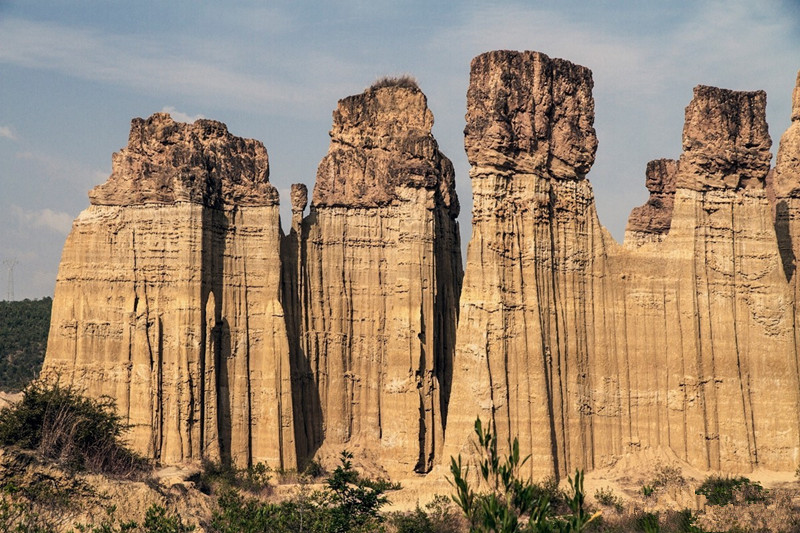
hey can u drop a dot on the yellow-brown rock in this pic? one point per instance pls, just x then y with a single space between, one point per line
651 221
586 350
381 276
167 298
534 286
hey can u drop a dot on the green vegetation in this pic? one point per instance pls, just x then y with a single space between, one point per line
349 502
607 498
720 490
78 432
156 520
23 340
510 503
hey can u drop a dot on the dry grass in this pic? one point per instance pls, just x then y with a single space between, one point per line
404 81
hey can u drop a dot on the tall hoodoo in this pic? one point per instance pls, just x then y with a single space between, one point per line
167 297
381 280
586 350
220 337
708 317
534 263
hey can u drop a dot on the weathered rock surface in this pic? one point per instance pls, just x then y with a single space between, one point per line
786 186
535 265
220 337
379 284
651 221
167 297
707 312
585 350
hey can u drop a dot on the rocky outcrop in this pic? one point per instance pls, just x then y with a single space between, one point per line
587 351
167 297
220 337
786 184
533 287
651 221
707 315
380 282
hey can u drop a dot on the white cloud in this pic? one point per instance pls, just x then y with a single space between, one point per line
57 221
180 116
7 133
220 74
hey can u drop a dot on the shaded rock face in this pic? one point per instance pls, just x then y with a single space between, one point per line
380 278
786 186
167 298
586 350
651 221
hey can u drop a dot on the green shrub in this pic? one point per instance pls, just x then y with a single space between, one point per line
720 490
109 524
648 523
349 502
606 496
82 433
19 517
255 479
157 520
512 503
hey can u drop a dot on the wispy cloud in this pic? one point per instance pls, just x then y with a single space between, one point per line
180 116
7 133
57 221
145 63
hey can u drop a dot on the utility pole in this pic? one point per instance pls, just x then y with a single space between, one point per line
10 264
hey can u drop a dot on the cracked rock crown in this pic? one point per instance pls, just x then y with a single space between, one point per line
380 141
167 162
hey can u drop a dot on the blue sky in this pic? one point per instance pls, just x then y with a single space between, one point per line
74 73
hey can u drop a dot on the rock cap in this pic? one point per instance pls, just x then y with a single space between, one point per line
529 113
299 197
726 142
167 162
655 216
381 140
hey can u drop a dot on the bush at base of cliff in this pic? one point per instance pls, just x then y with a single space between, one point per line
79 432
509 503
439 516
720 490
349 503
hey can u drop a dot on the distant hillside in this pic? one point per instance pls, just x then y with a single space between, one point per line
23 340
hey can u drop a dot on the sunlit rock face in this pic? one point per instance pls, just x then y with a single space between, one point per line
683 340
651 221
219 336
380 279
167 298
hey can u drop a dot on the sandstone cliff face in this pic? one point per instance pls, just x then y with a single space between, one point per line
585 350
220 337
167 297
707 311
786 184
535 264
379 284
651 221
